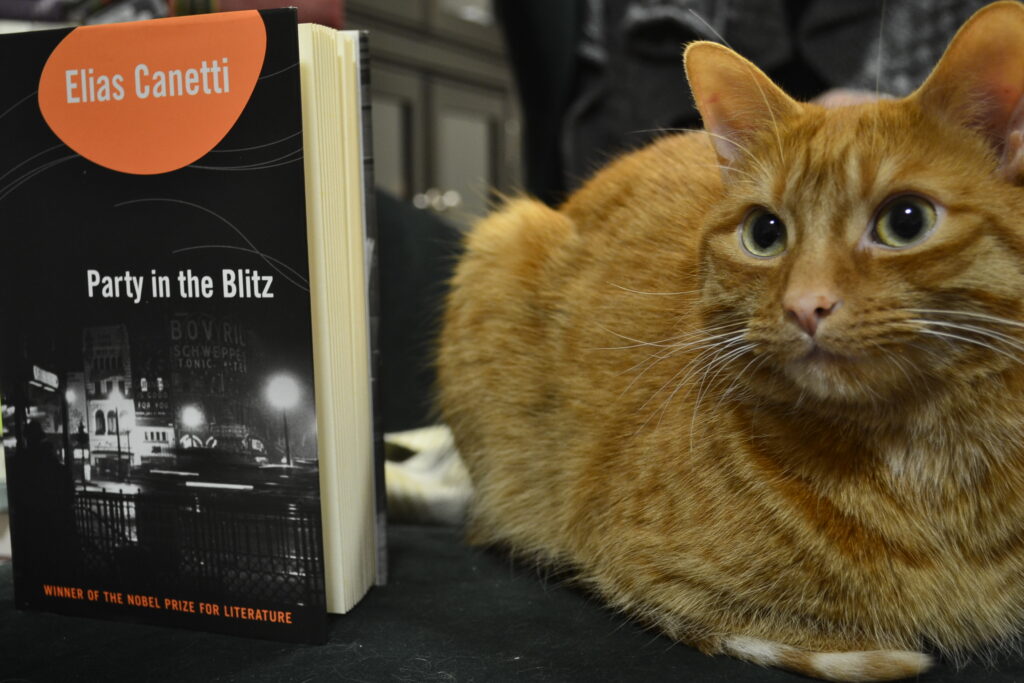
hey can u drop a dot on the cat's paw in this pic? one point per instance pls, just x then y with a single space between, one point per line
864 665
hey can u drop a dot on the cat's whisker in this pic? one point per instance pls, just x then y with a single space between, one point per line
669 381
677 342
710 349
721 364
686 382
991 334
881 27
716 365
753 74
688 370
644 131
759 359
732 169
754 159
720 332
656 358
660 343
636 291
798 404
969 314
706 382
968 340
676 349
689 339
899 363
714 31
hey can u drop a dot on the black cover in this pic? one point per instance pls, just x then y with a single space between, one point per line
145 455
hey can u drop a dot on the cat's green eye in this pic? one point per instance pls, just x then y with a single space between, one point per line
763 234
904 221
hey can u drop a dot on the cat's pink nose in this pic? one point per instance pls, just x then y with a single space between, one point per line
808 309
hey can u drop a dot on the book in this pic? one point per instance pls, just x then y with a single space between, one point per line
188 320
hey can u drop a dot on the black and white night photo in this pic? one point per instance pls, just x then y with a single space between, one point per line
156 380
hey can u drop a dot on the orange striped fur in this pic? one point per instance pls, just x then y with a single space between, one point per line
635 399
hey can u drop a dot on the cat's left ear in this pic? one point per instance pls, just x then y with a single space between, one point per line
979 82
736 99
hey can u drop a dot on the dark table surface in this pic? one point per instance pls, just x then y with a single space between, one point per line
449 613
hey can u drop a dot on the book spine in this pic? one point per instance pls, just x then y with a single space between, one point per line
373 302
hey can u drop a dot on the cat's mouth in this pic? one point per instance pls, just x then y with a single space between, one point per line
819 355
830 374
826 373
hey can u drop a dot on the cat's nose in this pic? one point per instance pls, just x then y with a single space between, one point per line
808 309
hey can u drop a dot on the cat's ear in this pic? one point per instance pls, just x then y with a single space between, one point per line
979 82
736 99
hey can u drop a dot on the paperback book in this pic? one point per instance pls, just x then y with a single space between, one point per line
187 322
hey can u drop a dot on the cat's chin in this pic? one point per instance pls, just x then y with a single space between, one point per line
831 376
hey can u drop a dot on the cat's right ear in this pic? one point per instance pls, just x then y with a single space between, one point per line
979 82
736 99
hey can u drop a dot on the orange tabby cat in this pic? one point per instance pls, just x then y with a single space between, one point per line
762 386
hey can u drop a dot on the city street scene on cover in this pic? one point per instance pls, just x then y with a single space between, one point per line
156 369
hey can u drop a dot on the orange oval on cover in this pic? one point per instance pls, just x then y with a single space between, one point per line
152 96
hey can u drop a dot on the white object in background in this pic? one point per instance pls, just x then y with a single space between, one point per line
432 486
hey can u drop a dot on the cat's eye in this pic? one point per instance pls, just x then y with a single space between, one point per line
903 221
763 234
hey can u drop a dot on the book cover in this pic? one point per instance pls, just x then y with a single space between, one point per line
156 361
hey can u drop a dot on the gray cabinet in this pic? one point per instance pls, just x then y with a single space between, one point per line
446 127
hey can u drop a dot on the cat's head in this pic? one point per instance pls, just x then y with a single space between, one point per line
878 249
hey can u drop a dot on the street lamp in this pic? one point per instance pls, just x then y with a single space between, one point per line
69 400
126 423
81 452
192 418
117 399
283 393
